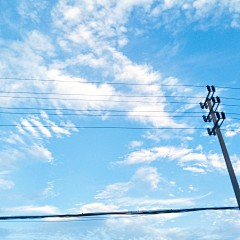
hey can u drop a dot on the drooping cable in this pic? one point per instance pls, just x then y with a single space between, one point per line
140 212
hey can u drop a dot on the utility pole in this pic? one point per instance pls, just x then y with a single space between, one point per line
212 104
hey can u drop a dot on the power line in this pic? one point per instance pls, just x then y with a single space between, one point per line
108 95
109 127
110 83
103 127
127 213
117 83
97 115
92 100
102 110
102 115
94 110
101 95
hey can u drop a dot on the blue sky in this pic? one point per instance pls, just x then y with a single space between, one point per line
85 48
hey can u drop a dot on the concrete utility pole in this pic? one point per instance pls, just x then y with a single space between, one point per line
210 103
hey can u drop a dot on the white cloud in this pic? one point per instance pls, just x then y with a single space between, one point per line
98 207
232 129
44 115
192 188
29 127
217 162
154 154
40 126
193 157
40 152
115 190
69 124
148 177
128 201
205 13
30 9
9 156
13 139
6 184
194 169
135 144
48 191
40 43
30 210
199 147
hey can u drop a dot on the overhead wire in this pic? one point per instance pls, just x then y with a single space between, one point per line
100 127
127 213
98 82
117 83
92 100
93 110
109 100
100 95
104 110
96 115
107 115
108 95
110 127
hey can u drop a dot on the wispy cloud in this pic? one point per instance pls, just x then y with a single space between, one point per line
115 190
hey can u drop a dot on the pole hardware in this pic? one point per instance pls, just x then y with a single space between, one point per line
218 119
210 90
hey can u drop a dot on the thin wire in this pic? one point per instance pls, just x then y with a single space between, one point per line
103 110
86 219
118 83
103 95
110 83
142 212
92 100
97 115
231 98
230 105
102 127
92 110
102 115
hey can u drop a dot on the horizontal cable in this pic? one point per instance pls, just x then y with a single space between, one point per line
107 100
230 98
118 83
115 115
230 105
117 127
118 95
102 95
97 115
127 213
92 100
110 83
93 110
101 127
103 110
107 127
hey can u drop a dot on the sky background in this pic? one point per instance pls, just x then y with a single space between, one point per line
97 54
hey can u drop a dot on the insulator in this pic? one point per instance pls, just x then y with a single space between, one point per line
223 115
213 100
209 131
